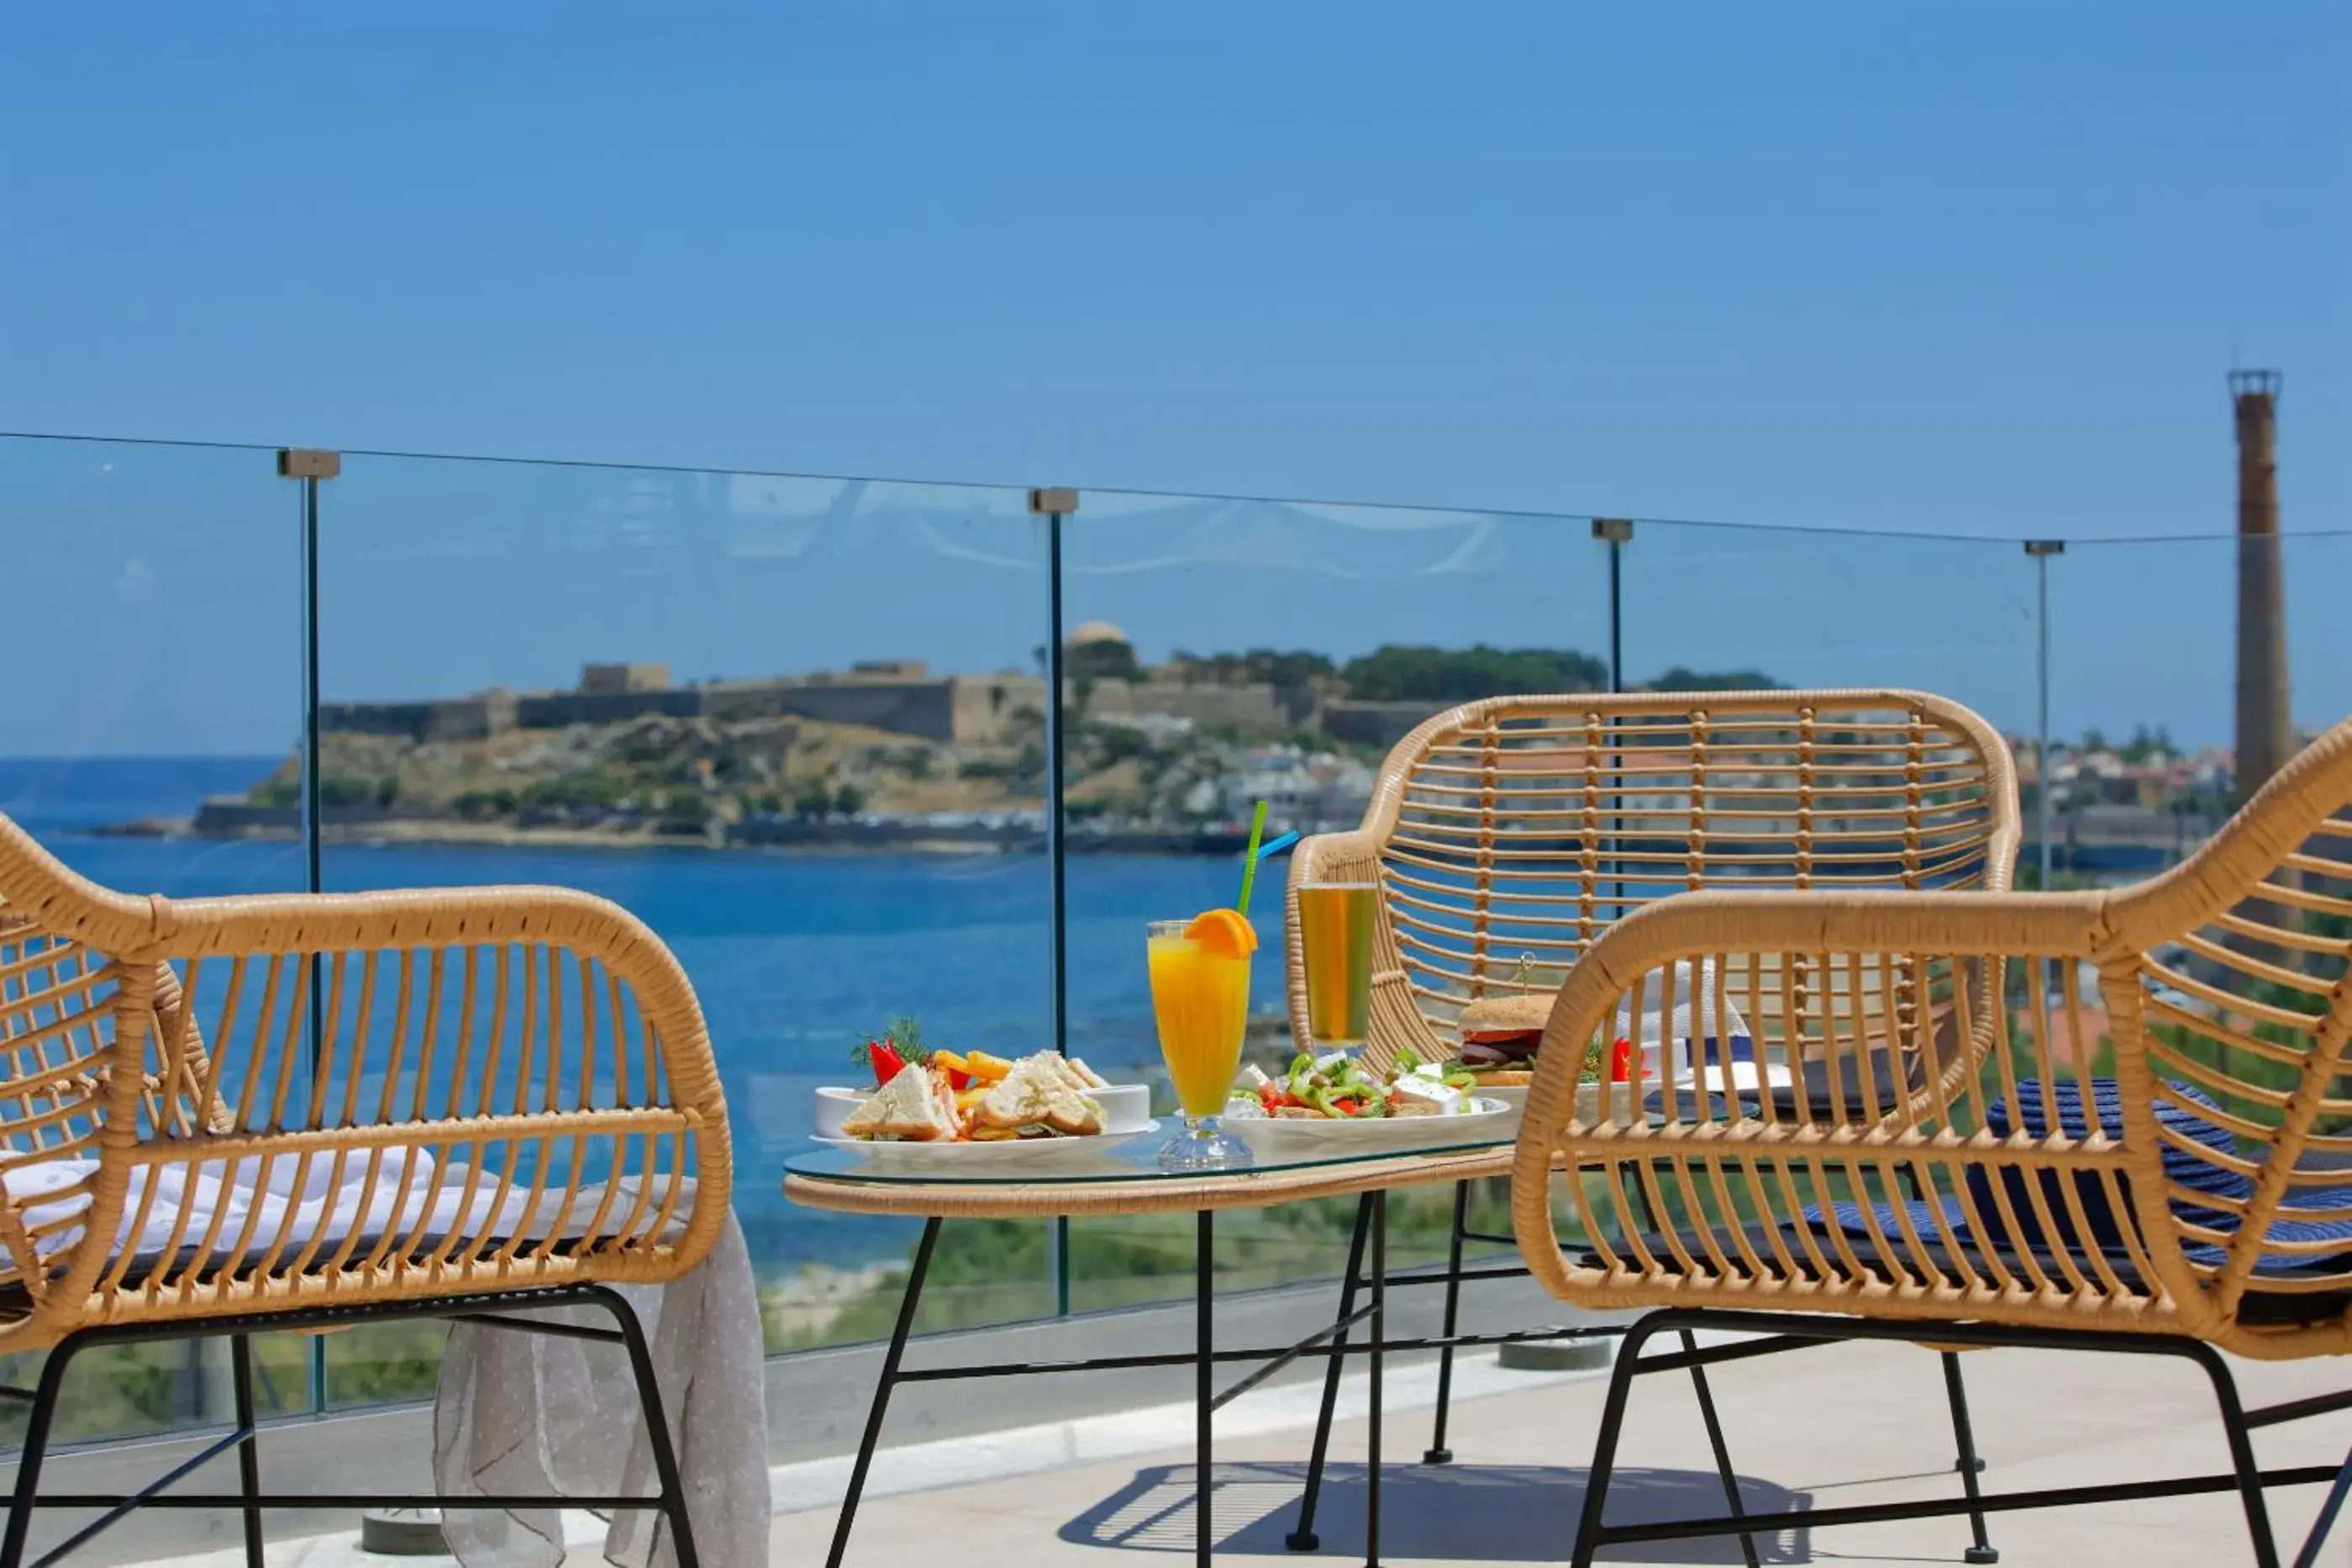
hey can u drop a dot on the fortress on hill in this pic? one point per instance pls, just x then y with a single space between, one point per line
895 696
898 696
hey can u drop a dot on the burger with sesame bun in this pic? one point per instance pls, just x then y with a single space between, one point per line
1500 1035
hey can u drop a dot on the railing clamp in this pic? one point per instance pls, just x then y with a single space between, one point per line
307 463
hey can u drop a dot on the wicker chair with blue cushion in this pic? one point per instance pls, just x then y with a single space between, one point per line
2126 1124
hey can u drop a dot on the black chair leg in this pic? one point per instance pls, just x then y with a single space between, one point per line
2309 1556
1604 1442
673 1491
1438 1453
36 1447
248 1448
2242 1451
1304 1538
1722 1454
1980 1549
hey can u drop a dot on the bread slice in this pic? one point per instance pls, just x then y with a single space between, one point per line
1073 1115
1085 1078
1019 1097
908 1109
1038 1092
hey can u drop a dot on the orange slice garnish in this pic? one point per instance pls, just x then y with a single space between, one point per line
1226 932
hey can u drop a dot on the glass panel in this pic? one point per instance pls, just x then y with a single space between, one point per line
1710 606
1226 651
2144 690
794 724
2319 675
154 631
2142 681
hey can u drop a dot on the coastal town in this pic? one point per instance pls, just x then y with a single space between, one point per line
1166 757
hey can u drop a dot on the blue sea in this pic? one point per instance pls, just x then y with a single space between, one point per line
796 957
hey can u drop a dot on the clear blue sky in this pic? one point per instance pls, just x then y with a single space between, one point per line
1973 269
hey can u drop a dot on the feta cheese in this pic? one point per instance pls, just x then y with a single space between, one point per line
1427 1085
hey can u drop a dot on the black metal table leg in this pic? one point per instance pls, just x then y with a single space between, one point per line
1204 1343
1379 1355
890 1359
1304 1538
1438 1453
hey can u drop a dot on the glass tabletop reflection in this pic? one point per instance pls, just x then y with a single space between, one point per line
1129 1159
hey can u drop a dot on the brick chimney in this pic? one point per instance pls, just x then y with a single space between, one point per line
2265 723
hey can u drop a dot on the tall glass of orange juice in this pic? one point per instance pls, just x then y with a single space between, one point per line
1199 999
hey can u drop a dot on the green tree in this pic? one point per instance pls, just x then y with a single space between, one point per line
342 790
1681 678
1104 659
685 807
1400 673
811 800
849 800
1296 667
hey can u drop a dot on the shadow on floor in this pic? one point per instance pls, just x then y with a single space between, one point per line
1500 1513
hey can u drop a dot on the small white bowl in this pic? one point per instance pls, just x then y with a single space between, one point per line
833 1106
1125 1106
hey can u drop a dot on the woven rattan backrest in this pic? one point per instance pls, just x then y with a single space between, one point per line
1511 833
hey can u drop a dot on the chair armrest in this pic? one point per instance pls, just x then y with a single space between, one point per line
1841 938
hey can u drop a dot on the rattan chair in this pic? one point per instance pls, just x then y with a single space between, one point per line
1508 837
234 1115
2191 1197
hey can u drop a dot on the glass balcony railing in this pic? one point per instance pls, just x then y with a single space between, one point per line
801 726
155 636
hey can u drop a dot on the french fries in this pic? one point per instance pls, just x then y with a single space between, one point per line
986 1068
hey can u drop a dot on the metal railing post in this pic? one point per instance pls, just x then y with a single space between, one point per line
1616 532
1053 504
2041 550
308 467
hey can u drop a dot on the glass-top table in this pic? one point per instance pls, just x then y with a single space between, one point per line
1070 1179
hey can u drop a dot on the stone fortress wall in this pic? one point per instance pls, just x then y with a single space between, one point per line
899 697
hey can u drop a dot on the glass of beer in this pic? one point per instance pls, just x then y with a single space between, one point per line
1335 936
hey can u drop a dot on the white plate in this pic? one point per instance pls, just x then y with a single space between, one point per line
1011 1154
1297 1138
1125 1106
